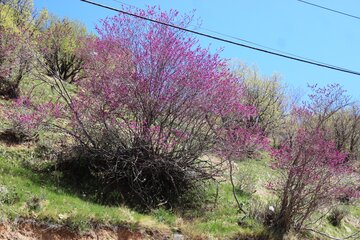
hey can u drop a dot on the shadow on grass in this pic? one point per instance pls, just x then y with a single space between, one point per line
76 178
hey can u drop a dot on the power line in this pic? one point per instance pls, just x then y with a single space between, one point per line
209 30
329 9
299 59
262 46
238 38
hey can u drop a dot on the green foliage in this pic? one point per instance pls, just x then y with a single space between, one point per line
59 44
23 8
32 194
20 16
15 13
336 216
69 32
164 216
8 195
7 17
267 94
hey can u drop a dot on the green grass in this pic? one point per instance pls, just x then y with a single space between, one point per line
35 87
221 219
30 194
349 225
56 205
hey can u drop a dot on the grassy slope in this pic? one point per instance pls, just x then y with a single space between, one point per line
263 173
27 188
58 206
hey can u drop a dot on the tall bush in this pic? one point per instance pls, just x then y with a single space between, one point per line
315 175
151 103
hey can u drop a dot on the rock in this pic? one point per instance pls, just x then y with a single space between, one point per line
178 236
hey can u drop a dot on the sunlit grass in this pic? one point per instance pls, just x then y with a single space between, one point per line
216 219
56 205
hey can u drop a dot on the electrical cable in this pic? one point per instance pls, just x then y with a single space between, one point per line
329 9
299 59
238 38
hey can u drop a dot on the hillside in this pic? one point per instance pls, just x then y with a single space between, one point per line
35 205
137 131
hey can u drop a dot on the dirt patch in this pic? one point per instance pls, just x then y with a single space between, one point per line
31 230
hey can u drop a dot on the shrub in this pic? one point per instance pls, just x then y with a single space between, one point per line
34 203
151 103
44 150
246 182
15 135
336 216
314 175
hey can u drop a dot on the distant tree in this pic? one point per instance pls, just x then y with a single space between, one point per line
14 62
344 129
267 95
333 112
324 102
7 62
321 105
17 27
59 44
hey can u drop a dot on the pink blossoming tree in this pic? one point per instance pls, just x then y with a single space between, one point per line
315 174
151 103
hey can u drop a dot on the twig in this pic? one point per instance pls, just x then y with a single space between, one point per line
234 188
352 236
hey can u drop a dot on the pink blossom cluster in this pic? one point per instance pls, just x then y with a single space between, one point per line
151 81
31 116
315 164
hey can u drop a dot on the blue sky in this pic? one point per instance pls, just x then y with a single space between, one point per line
286 25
